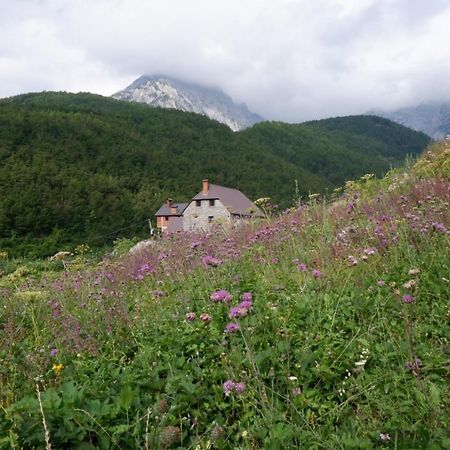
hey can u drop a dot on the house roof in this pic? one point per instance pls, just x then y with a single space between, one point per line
234 200
166 211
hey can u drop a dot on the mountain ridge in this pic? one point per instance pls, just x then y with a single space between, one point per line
168 92
431 118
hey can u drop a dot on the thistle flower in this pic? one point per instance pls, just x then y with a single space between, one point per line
209 260
237 311
190 316
414 365
316 273
407 298
205 318
246 304
246 296
228 387
297 391
232 327
221 296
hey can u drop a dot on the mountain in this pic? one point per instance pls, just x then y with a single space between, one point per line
432 119
167 92
82 168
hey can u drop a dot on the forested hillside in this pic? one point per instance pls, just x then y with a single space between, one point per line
80 168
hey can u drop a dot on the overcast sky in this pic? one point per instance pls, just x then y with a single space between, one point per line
290 60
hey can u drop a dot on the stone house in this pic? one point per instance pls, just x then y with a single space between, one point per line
214 204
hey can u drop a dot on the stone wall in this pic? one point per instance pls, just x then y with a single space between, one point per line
197 217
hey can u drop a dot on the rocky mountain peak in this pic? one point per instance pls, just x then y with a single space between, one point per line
167 92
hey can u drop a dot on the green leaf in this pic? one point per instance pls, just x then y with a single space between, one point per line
126 397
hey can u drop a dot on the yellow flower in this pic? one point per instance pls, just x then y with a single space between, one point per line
57 368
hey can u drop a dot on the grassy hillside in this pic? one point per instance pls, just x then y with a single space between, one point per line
324 328
84 168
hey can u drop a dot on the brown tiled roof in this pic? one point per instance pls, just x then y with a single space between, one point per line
166 211
234 200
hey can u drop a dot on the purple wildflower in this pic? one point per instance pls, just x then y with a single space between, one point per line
53 352
302 267
297 391
228 387
246 296
195 244
143 271
157 293
209 260
232 327
316 273
190 316
407 298
370 251
237 311
414 365
439 227
381 283
246 304
221 296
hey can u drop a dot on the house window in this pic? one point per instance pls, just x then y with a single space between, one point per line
198 202
210 218
212 202
167 218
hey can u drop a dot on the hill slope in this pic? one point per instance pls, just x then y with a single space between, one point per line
323 328
86 167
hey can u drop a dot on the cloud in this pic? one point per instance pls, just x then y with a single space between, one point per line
288 60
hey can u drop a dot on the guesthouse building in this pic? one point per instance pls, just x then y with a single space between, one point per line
213 205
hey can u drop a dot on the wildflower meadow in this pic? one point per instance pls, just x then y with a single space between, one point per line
324 327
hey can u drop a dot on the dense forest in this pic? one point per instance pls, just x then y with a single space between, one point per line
81 168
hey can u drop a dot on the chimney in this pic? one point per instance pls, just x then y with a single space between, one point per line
205 187
169 202
173 209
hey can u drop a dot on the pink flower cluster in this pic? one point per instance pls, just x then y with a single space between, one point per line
243 308
230 387
222 296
